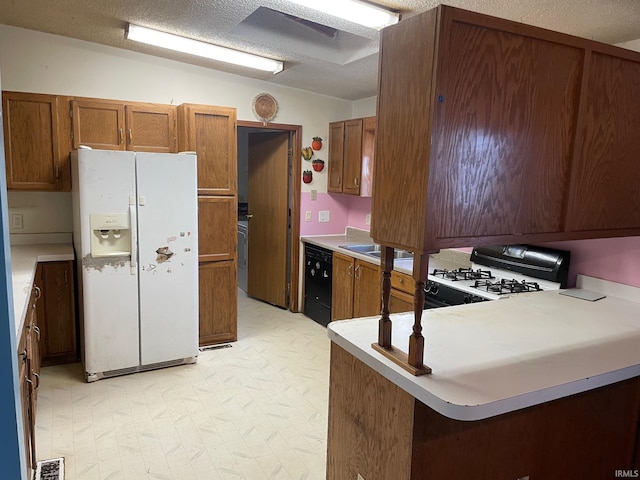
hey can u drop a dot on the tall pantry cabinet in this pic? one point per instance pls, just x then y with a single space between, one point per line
211 133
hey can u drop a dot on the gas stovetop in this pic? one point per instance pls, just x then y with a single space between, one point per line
514 269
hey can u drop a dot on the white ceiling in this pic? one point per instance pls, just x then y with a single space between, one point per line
344 66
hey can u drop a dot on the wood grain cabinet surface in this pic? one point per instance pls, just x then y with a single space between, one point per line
34 149
210 131
29 372
351 146
113 125
491 132
355 288
57 319
218 294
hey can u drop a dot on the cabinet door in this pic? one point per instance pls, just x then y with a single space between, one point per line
211 133
58 328
367 297
368 155
352 168
336 156
151 127
400 301
32 143
342 287
605 193
25 398
217 228
218 294
98 124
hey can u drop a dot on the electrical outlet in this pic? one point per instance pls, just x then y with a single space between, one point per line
17 221
367 219
307 216
314 195
323 216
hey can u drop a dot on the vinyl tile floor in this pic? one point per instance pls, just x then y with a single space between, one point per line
255 411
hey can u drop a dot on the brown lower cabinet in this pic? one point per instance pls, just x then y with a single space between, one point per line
29 374
355 288
402 290
57 319
218 293
381 432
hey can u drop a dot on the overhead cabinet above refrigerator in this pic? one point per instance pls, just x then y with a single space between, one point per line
135 235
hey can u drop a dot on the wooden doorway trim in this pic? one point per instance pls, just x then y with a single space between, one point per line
296 173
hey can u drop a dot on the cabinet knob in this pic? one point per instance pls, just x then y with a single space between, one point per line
120 136
130 137
350 269
38 292
355 181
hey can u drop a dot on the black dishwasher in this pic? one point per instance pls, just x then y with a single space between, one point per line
317 283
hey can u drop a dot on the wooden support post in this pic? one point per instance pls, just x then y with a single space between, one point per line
416 340
413 361
384 325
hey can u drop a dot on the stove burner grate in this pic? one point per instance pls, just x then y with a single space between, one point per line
507 286
462 274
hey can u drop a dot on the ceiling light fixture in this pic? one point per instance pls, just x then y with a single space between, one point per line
354 11
201 49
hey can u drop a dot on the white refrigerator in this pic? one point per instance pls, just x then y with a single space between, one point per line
135 231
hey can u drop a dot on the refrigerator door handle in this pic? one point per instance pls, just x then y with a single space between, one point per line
133 236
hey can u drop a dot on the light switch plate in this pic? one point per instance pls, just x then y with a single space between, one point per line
367 219
314 195
307 216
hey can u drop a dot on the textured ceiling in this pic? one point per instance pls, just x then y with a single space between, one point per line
344 66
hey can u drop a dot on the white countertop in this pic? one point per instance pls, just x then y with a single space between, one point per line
449 259
495 357
24 259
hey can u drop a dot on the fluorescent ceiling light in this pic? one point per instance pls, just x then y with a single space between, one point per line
201 49
354 11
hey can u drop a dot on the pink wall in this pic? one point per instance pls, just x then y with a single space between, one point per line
614 259
337 206
345 210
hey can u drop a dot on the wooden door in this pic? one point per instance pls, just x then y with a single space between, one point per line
336 156
33 159
151 127
352 156
98 124
268 226
367 297
58 329
217 228
211 133
218 302
342 287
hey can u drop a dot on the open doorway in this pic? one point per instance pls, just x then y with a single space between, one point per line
268 212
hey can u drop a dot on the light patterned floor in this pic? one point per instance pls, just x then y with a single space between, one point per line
255 411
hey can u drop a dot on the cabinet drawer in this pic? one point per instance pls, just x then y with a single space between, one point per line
402 282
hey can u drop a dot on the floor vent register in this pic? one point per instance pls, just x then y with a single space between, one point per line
214 347
50 469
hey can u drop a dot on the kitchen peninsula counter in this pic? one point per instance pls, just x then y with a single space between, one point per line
512 379
24 260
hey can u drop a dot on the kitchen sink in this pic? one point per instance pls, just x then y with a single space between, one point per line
396 254
374 250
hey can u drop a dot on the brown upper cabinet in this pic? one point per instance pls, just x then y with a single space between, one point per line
211 133
34 150
351 145
112 125
491 132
